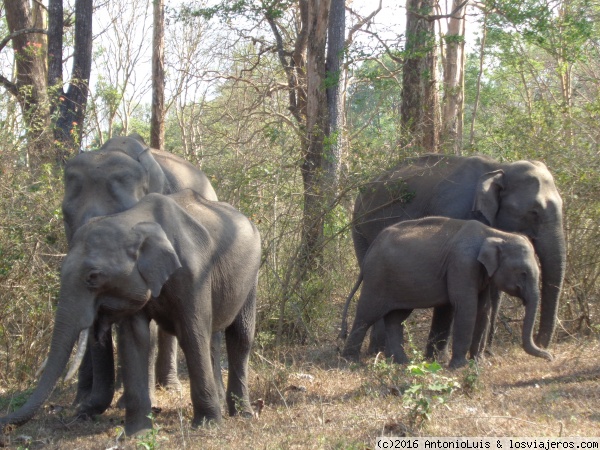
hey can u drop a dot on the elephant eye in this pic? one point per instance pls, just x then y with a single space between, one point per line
94 279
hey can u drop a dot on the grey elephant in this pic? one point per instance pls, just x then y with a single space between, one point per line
190 265
517 197
108 181
436 261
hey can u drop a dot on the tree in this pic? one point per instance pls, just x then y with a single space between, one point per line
121 56
420 104
69 106
39 90
157 121
453 83
26 24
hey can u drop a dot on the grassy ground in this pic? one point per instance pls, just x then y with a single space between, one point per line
314 399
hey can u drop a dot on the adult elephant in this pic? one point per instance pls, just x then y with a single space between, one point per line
187 263
519 197
110 180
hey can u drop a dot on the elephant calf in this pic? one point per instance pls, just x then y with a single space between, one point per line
437 261
189 264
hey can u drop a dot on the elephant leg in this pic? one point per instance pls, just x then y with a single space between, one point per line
194 332
394 335
366 316
481 325
441 323
166 362
239 337
462 331
203 389
377 339
101 356
135 349
154 331
496 301
215 354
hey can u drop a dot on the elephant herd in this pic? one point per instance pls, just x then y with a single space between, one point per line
149 243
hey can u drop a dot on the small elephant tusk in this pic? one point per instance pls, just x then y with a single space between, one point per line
42 367
81 346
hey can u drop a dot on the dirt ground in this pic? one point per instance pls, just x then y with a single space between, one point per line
314 399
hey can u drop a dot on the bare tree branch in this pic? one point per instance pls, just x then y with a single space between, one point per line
361 23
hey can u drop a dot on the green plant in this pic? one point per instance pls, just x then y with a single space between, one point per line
149 441
471 380
387 377
427 390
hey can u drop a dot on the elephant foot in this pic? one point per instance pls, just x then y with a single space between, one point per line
170 384
206 421
138 428
90 409
351 356
456 363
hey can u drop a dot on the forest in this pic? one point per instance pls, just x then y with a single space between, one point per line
290 108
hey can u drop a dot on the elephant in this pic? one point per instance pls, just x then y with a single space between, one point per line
514 196
187 263
108 181
435 261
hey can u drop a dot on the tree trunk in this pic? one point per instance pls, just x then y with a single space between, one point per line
157 123
479 75
30 84
420 106
69 107
453 104
336 82
317 124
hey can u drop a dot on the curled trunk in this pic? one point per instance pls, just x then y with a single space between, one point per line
531 304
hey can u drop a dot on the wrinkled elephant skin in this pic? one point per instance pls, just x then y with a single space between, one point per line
516 197
187 263
110 180
436 261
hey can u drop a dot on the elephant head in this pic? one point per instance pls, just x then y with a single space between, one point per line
111 270
522 197
511 265
109 180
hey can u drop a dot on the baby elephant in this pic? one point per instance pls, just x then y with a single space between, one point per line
435 261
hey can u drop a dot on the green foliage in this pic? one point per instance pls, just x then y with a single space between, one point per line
422 386
31 247
471 377
427 390
538 100
149 441
14 402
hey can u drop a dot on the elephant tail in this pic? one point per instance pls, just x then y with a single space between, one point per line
344 328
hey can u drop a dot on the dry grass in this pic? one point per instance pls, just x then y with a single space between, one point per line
314 399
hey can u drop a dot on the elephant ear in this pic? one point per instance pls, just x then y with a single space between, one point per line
156 257
489 254
156 177
487 195
135 147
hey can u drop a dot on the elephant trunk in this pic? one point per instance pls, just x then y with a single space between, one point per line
551 251
531 304
63 339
